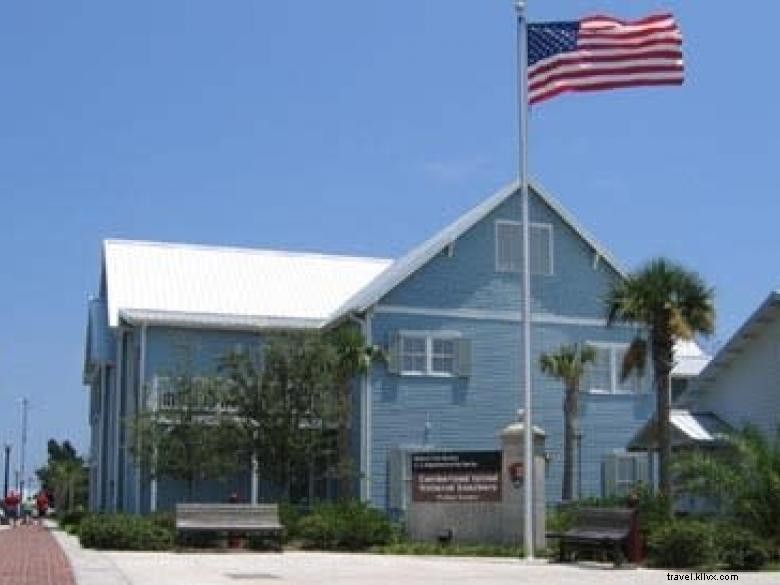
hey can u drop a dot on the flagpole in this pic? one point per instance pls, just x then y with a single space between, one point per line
523 117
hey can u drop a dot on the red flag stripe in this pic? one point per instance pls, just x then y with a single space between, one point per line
626 36
595 86
607 42
601 18
670 39
584 57
625 30
606 71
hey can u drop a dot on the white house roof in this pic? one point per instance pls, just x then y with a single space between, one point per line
688 428
204 285
766 313
689 359
419 256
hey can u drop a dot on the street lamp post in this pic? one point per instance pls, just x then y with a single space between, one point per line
7 468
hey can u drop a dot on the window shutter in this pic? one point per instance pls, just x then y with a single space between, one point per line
609 475
540 236
395 461
463 357
394 354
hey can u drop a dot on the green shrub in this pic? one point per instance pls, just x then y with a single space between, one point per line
123 532
653 510
344 526
290 517
71 519
463 550
741 550
682 544
165 520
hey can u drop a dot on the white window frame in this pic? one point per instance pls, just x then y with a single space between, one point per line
533 224
428 337
614 369
624 486
164 397
402 357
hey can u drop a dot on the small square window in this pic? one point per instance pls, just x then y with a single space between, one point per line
509 247
414 355
540 236
443 356
603 375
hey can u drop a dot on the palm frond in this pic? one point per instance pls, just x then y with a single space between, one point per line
635 359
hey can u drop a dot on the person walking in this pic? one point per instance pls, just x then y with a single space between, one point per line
11 502
42 504
28 505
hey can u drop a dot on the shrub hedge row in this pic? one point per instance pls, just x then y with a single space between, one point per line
123 532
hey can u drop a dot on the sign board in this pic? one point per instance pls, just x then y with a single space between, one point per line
456 476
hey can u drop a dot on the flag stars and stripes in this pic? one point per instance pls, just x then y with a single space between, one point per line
602 52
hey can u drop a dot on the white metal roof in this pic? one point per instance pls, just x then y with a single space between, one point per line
689 359
183 283
689 425
419 256
766 313
688 428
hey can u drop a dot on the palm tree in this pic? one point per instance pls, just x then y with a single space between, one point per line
568 364
673 303
68 477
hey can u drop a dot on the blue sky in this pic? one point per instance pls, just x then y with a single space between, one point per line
347 126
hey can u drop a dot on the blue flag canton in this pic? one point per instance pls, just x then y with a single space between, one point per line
546 39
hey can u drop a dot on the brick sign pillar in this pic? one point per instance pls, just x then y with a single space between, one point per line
514 482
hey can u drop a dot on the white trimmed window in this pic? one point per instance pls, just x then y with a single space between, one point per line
509 247
603 375
165 392
622 471
430 354
414 354
442 356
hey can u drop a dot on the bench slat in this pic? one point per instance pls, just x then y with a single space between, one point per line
240 517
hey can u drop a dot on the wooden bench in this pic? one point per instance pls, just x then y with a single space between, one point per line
231 518
597 529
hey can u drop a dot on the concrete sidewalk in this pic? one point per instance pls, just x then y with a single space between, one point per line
90 567
310 568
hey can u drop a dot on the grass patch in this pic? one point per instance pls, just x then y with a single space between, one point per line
451 550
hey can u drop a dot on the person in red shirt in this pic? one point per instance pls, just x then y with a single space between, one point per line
42 504
11 502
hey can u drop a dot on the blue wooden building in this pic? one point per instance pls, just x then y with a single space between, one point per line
448 314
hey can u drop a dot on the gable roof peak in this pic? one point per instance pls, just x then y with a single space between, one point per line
404 267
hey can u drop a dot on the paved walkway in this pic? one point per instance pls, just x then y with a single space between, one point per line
304 568
310 568
29 555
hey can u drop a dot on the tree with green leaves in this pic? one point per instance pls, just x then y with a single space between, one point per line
65 475
671 303
568 365
742 479
294 398
352 358
187 433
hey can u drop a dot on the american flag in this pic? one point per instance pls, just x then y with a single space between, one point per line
601 52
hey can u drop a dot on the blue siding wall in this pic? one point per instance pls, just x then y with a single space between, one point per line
171 348
470 412
468 280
